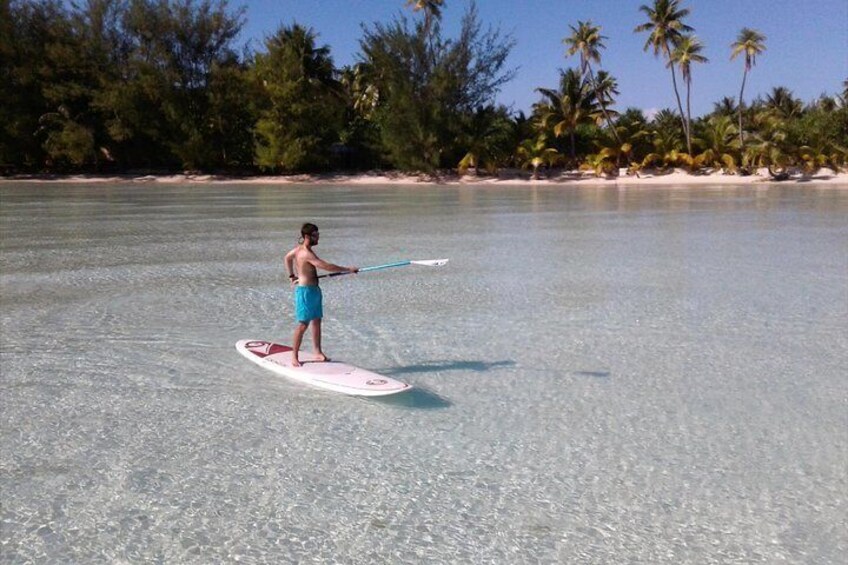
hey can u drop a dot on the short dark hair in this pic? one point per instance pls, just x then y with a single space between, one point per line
308 229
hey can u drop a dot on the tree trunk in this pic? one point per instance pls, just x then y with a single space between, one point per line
689 115
778 176
573 146
680 107
741 92
606 115
679 104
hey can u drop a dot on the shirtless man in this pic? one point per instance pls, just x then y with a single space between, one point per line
302 264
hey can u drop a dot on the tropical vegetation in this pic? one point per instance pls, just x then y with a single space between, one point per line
163 85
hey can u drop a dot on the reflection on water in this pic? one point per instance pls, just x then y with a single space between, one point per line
601 375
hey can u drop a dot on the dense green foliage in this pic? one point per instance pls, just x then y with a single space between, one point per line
302 108
123 85
432 90
129 84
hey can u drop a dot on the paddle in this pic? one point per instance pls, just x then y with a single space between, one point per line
426 263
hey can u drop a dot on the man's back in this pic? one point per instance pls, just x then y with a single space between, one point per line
307 274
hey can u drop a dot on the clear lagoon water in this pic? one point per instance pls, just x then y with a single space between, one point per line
602 375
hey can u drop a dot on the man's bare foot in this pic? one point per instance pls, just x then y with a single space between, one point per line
295 362
321 358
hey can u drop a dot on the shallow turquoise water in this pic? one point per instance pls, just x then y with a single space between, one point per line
602 375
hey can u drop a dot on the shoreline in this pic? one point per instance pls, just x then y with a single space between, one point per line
509 177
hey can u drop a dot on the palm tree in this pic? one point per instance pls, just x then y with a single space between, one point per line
666 140
633 128
567 107
535 153
586 39
752 43
770 148
606 90
487 137
432 11
688 51
304 101
826 103
666 27
718 140
725 107
360 88
302 58
782 101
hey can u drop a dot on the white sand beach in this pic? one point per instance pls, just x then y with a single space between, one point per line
678 177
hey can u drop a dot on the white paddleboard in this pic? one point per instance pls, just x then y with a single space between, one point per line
330 375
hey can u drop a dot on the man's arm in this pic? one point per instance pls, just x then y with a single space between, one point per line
290 262
319 263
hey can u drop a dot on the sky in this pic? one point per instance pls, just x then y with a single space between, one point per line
806 43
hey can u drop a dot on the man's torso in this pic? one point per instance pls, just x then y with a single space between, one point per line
307 275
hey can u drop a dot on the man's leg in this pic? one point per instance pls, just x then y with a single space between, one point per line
316 339
299 330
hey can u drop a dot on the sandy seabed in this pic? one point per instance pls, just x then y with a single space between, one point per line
602 374
678 177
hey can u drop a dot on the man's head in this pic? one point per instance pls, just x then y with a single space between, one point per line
309 232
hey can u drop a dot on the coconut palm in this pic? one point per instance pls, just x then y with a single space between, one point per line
826 103
666 139
719 144
535 153
487 137
783 102
586 39
606 89
752 43
567 108
634 130
432 11
304 101
666 29
770 147
604 163
299 56
360 88
686 53
725 107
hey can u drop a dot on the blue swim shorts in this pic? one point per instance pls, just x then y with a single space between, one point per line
308 303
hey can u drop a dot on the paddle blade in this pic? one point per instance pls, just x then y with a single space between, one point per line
431 262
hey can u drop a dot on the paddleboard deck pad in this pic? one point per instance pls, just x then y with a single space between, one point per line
330 375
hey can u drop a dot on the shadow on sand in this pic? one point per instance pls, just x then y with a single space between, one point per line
422 398
477 366
418 397
597 374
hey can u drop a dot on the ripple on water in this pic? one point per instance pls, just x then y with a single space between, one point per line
600 376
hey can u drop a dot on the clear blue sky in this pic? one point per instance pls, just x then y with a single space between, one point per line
806 45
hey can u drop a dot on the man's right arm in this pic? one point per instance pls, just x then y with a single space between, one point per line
330 267
290 263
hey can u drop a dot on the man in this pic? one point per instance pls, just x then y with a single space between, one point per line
302 265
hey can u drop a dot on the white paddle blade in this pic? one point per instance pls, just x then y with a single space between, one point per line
431 262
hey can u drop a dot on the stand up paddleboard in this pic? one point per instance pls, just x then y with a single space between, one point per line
330 375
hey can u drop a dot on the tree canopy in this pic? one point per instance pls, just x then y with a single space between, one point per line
164 85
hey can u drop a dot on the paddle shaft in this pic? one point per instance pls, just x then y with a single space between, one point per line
365 269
